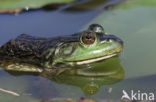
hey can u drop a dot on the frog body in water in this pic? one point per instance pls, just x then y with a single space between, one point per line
60 52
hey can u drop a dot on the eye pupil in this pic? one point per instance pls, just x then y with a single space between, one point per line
88 37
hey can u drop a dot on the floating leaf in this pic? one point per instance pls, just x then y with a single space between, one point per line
134 22
16 4
136 3
88 5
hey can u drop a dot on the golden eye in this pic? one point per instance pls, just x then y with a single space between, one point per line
88 38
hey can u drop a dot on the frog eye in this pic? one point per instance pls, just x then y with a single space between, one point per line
88 38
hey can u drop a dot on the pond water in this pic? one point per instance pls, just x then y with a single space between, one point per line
133 22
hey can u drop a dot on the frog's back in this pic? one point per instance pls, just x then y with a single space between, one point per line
26 47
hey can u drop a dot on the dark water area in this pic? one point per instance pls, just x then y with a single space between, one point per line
44 24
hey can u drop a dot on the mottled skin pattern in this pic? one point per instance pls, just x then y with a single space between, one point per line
60 52
33 50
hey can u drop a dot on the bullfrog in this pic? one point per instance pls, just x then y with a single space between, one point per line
60 52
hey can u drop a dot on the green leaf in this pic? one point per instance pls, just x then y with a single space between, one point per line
89 5
15 4
136 3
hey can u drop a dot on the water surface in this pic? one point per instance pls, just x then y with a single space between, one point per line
134 24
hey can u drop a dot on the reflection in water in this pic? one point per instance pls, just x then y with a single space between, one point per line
88 77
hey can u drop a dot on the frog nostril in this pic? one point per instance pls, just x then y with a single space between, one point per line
120 41
110 40
115 39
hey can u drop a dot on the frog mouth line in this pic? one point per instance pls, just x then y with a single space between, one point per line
95 59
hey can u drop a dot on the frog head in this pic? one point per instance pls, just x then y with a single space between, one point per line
88 48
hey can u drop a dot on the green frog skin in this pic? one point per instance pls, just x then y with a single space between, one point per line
59 52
